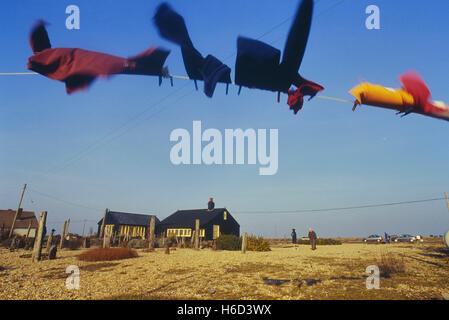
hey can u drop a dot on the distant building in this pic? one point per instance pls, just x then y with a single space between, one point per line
25 220
127 224
213 223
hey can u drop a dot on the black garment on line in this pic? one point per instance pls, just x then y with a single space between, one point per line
172 27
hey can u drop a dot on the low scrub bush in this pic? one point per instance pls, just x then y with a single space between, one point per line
19 242
390 264
74 244
323 241
257 244
172 241
95 242
229 242
320 241
5 243
29 244
4 235
124 244
137 244
107 254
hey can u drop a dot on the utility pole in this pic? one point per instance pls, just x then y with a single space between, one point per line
17 212
84 226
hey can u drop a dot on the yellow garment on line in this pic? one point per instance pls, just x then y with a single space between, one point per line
376 95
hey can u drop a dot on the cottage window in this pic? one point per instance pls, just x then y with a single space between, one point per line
181 232
108 229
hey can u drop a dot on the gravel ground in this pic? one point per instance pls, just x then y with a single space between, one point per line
330 272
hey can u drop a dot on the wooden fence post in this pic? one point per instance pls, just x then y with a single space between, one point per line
197 234
49 240
102 224
36 256
151 232
66 233
28 231
244 242
192 239
106 240
61 242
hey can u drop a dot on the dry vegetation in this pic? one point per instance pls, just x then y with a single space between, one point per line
408 271
107 254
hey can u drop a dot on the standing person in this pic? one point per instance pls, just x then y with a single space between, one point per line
312 238
210 204
387 238
293 236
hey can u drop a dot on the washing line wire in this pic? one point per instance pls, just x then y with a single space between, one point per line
187 78
340 208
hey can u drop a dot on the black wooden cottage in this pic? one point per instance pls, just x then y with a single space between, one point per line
132 225
213 223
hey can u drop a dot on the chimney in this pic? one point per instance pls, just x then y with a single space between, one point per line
211 204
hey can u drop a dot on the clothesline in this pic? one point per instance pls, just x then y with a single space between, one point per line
174 77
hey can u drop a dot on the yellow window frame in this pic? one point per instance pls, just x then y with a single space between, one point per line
108 229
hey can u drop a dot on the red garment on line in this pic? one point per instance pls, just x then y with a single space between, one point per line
78 68
415 85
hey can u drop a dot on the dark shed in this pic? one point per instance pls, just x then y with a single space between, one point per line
213 223
124 223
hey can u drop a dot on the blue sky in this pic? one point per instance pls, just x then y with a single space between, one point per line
108 147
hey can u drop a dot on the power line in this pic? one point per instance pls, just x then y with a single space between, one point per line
276 211
110 135
339 208
64 201
73 221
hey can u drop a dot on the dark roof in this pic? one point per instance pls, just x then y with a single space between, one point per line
186 218
125 218
23 220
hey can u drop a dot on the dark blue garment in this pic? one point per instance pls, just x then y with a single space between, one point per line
39 39
172 27
214 71
258 64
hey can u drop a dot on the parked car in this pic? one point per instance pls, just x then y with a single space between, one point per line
405 238
373 238
419 238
